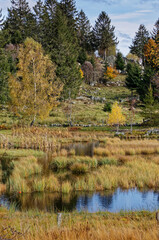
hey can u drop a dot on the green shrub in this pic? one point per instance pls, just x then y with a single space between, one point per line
107 107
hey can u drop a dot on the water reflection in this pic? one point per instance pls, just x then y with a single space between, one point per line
131 199
82 149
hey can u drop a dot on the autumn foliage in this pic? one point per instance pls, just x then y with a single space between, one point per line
116 117
152 52
110 73
34 88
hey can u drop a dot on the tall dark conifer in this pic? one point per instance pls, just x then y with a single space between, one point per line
104 35
65 55
138 43
20 22
83 29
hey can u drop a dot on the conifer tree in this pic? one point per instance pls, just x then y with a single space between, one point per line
20 22
83 30
65 54
7 66
134 76
138 43
104 35
120 65
68 8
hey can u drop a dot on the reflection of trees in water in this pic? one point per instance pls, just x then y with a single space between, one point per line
83 149
106 201
44 201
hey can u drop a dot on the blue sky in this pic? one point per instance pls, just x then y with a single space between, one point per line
126 15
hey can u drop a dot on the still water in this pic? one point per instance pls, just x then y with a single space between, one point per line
126 200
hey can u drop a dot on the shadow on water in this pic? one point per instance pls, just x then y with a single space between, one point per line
126 200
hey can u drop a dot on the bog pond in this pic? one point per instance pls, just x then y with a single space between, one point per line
126 200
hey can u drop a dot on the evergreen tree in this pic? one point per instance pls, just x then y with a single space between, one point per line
134 76
103 32
138 43
65 54
68 8
120 64
1 18
155 30
83 31
39 12
20 22
7 65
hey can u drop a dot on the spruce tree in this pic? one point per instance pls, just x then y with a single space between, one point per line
83 30
1 18
20 22
68 8
104 35
7 65
155 30
134 77
138 43
120 65
65 54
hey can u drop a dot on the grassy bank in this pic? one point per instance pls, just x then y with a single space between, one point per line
34 225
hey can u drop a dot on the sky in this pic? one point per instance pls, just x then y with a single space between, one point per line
125 15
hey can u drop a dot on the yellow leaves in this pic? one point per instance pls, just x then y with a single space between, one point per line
34 88
82 74
116 116
110 73
152 52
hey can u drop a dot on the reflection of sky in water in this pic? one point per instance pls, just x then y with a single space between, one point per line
127 200
120 200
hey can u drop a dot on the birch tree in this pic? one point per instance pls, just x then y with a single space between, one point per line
34 88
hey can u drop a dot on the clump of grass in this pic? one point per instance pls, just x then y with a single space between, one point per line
102 152
71 152
27 166
50 184
107 161
18 184
63 152
60 163
66 187
79 168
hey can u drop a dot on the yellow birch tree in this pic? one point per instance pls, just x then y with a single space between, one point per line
34 88
116 117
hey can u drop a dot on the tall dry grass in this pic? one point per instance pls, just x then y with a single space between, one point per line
80 226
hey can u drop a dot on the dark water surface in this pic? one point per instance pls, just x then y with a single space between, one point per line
126 200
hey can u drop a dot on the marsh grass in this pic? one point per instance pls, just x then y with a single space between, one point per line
79 168
36 225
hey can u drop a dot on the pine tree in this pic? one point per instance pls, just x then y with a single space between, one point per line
103 32
33 88
20 22
120 64
65 54
138 43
